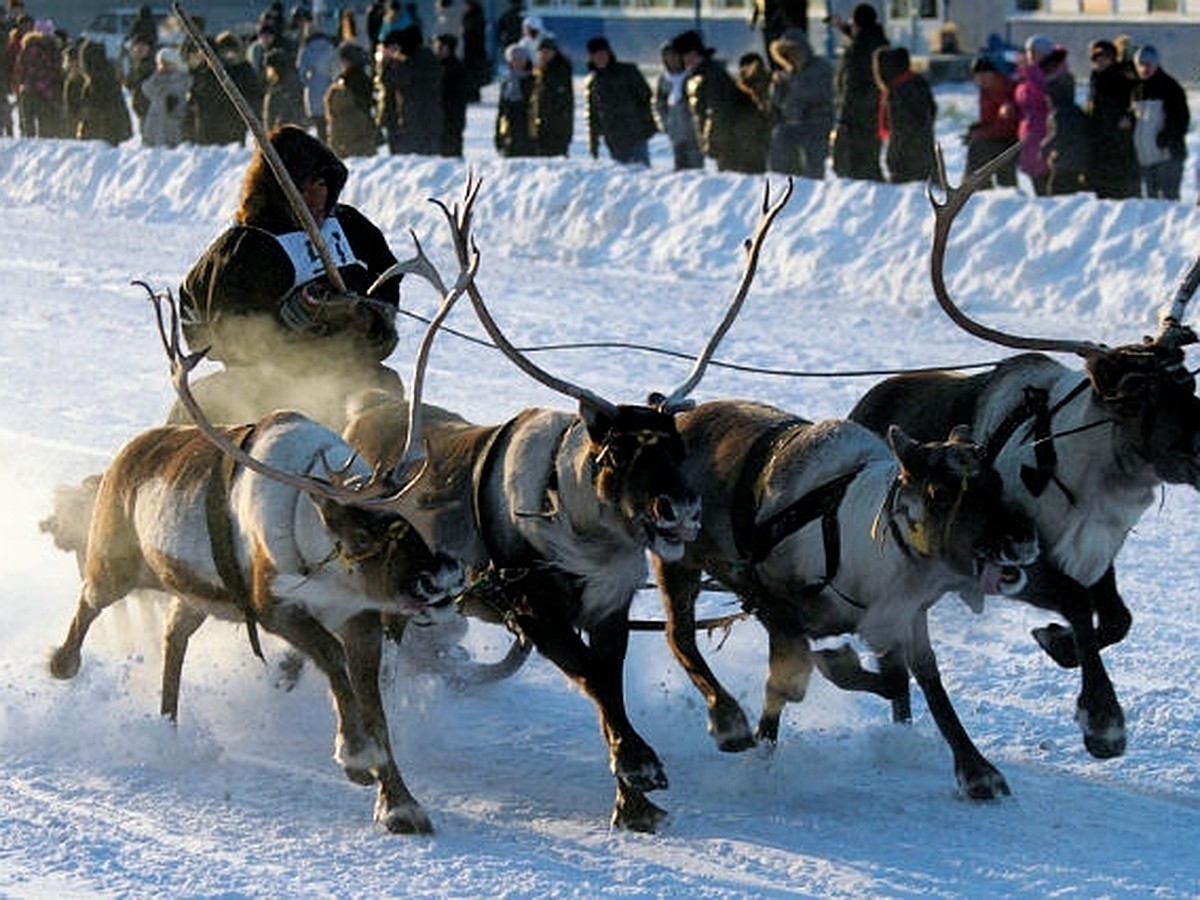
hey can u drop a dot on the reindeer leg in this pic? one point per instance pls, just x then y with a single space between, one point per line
977 778
789 670
597 668
1097 710
396 809
679 584
64 660
357 752
1112 617
843 668
182 622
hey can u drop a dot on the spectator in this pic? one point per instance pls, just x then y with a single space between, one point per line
1067 146
775 17
996 128
104 116
283 97
671 111
618 105
447 19
1160 129
167 90
532 32
38 81
508 26
141 67
214 119
1113 172
348 105
260 299
513 134
552 103
376 13
474 49
395 19
906 114
710 92
802 97
317 66
856 143
454 96
1040 60
411 107
751 112
348 33
144 27
269 37
72 95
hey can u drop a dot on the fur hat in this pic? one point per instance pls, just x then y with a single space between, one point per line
864 15
596 44
688 42
1147 56
263 201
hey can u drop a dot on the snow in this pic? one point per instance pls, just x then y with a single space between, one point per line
99 797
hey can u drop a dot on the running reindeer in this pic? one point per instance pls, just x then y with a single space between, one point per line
824 529
559 509
277 524
1081 453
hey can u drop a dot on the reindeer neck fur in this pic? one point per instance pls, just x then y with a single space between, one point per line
1110 485
278 529
550 503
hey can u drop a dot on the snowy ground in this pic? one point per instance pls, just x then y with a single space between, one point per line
100 797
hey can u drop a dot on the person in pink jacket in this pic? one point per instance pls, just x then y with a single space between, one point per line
1038 61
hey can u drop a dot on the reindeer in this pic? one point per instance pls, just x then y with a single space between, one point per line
556 511
1081 453
234 522
824 529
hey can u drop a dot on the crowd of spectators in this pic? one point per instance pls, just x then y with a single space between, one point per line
379 79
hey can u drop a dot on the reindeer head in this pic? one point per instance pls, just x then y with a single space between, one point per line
1149 396
1146 389
396 565
946 504
637 453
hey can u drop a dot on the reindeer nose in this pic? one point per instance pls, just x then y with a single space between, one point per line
664 509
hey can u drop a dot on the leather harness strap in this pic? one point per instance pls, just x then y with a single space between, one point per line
1036 406
220 535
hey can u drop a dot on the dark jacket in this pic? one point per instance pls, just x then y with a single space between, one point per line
1113 170
103 115
513 135
214 119
909 111
711 93
455 90
411 113
349 116
236 297
1067 146
856 95
552 107
1161 90
618 107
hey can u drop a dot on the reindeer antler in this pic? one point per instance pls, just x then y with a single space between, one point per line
1171 330
677 399
459 219
945 213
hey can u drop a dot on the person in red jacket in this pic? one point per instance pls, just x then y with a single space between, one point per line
996 128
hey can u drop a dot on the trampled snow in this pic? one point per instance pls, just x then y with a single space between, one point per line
99 797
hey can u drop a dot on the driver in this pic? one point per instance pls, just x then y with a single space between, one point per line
260 300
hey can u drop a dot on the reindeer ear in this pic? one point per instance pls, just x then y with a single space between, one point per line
910 452
596 418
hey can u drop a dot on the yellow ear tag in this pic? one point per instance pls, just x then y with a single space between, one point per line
918 536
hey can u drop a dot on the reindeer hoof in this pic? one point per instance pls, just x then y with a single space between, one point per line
633 812
407 818
985 784
1103 740
1059 643
64 664
768 730
730 730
